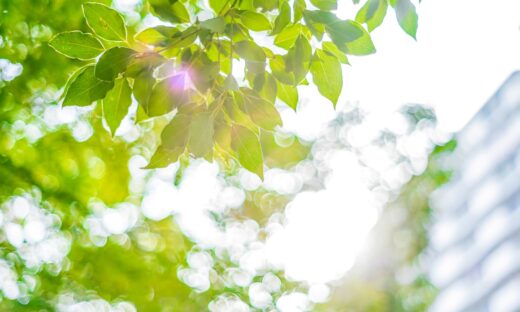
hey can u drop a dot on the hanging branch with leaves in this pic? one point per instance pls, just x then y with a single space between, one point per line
216 115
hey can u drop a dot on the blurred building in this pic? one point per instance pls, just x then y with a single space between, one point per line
476 239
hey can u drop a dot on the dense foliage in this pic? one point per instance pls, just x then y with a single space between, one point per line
187 66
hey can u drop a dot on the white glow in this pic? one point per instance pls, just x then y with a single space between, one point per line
325 229
464 51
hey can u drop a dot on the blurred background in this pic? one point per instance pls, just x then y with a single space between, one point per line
401 199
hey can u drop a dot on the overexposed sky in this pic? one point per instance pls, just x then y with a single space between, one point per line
465 50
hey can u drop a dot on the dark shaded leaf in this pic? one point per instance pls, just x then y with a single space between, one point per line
113 62
142 88
116 104
216 24
167 95
86 88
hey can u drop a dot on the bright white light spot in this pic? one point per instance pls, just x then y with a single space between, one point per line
228 304
248 180
325 230
82 131
11 290
14 234
158 202
259 296
293 302
20 207
271 282
34 231
9 71
126 5
319 293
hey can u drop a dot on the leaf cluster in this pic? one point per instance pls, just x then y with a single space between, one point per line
186 66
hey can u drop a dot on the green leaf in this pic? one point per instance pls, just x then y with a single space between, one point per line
230 83
327 75
283 19
343 32
351 38
167 95
142 88
163 157
202 132
236 32
216 24
266 5
288 94
86 88
407 17
104 21
326 5
223 135
247 147
321 17
113 62
255 21
246 5
173 12
75 44
266 86
116 104
372 13
249 51
298 59
261 111
184 38
177 132
203 71
146 61
158 35
70 81
299 7
278 68
218 5
287 37
331 48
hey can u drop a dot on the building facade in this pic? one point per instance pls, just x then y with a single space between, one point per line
476 238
